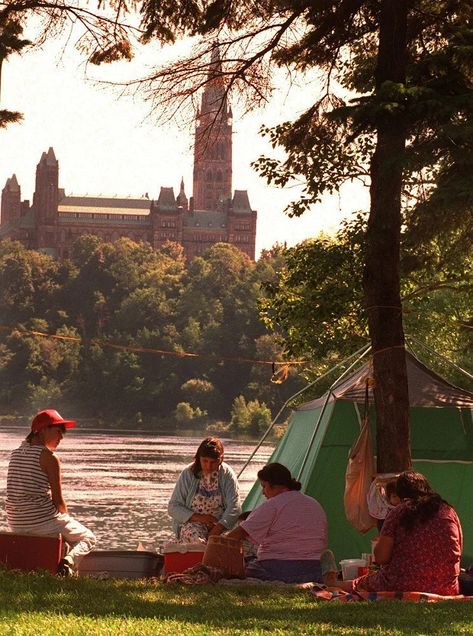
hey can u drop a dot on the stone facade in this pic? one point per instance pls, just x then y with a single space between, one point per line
54 220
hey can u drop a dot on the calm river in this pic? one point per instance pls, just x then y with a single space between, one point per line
119 483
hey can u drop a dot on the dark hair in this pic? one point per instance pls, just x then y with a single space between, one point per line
32 434
278 475
421 502
209 447
390 488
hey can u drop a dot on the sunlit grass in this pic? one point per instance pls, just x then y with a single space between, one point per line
42 604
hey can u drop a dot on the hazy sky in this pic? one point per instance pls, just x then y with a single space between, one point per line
111 145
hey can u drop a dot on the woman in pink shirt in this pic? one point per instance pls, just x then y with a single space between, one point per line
290 530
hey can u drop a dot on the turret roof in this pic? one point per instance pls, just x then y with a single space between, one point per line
166 198
51 157
14 183
240 202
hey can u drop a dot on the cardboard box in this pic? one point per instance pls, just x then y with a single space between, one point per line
180 556
28 552
121 564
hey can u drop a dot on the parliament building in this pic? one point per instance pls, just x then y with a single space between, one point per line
53 221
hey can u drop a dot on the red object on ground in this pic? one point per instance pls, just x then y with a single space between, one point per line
29 552
179 557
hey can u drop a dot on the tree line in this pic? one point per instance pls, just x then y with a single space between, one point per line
121 316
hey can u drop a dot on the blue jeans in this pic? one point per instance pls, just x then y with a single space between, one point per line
291 571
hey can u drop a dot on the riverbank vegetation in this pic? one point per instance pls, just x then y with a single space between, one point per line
41 604
122 335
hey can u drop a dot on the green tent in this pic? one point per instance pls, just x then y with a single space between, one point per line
320 434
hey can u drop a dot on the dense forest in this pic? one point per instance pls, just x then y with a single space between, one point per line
122 318
128 336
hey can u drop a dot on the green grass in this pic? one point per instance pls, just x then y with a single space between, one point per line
42 604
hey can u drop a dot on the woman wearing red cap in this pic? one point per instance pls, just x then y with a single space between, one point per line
35 504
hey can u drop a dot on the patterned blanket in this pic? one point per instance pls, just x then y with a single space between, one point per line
337 594
196 575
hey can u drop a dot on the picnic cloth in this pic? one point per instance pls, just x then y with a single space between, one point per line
201 574
337 594
196 575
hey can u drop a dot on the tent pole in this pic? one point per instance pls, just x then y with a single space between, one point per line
439 355
329 394
293 397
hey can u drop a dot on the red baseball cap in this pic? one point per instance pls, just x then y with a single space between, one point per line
49 417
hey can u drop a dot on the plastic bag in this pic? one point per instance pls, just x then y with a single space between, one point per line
378 505
358 478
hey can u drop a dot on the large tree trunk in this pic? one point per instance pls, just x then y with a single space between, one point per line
381 276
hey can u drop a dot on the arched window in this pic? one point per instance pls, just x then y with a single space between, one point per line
209 175
219 175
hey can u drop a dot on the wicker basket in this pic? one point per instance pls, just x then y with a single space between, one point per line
227 555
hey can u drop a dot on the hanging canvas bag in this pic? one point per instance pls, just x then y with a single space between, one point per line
358 477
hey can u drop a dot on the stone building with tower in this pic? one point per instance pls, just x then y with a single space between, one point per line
53 221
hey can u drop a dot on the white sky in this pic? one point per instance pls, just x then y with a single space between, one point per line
107 144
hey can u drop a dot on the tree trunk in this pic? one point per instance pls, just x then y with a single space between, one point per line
381 276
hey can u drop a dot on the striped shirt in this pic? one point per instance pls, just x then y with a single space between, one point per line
29 500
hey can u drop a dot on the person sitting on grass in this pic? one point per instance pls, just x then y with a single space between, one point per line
419 546
35 503
290 530
205 501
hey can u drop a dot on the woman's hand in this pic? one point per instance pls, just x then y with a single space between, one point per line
383 550
217 529
209 520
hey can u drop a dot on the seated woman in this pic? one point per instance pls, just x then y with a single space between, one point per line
205 500
420 543
289 528
35 503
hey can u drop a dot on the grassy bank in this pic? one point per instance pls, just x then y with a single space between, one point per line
42 604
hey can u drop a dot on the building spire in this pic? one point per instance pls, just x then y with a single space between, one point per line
212 183
181 199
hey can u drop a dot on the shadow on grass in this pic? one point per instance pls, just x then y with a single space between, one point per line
262 608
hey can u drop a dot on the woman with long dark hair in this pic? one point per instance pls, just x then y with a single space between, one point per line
420 543
290 530
205 501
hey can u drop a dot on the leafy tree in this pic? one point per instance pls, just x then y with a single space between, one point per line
409 131
185 413
328 272
250 418
219 305
316 301
200 393
102 35
29 283
46 392
10 42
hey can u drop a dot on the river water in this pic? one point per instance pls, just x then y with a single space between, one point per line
118 483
